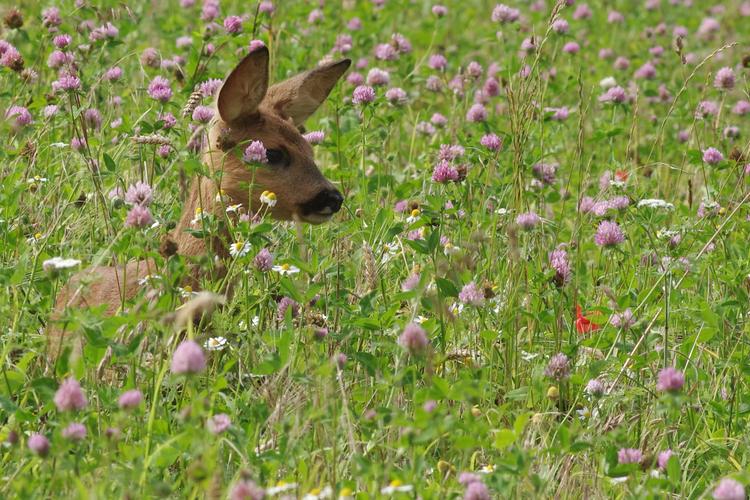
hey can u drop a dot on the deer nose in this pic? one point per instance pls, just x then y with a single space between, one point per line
326 202
334 199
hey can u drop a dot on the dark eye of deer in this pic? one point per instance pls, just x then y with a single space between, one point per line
277 157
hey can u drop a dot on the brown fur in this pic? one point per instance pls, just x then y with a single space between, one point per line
247 110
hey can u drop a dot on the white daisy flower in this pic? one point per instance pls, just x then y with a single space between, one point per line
608 83
36 181
413 216
286 269
346 494
281 487
268 198
58 263
36 237
318 493
450 249
420 319
487 469
655 203
221 197
239 248
396 486
199 216
148 279
186 292
215 344
233 209
456 308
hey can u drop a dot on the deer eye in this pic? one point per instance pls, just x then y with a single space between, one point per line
277 157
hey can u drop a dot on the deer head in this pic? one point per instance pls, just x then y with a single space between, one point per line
248 110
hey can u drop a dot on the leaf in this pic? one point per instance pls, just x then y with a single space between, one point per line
504 438
446 287
109 163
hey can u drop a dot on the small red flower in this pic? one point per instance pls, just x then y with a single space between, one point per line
621 175
583 324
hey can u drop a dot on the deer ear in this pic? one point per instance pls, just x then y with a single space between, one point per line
245 87
299 96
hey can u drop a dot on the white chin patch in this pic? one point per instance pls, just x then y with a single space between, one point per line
318 217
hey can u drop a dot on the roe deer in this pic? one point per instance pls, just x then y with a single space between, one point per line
247 110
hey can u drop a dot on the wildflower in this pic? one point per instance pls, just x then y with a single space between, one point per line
70 396
712 156
491 142
439 10
255 153
724 79
340 360
39 445
355 79
233 24
729 489
74 432
471 294
545 172
663 458
159 89
22 116
396 486
410 283
130 399
56 264
51 17
655 204
315 137
319 493
239 248
281 487
621 63
558 367
396 96
200 215
363 95
623 320
466 478
528 220
414 339
741 108
583 324
670 380
504 14
437 62
268 198
139 216
595 387
203 114
608 234
263 261
188 358
477 113
571 48
558 260
615 95
139 193
444 172
629 456
377 76
477 490
286 269
560 26
218 423
215 344
246 489
287 304
646 72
